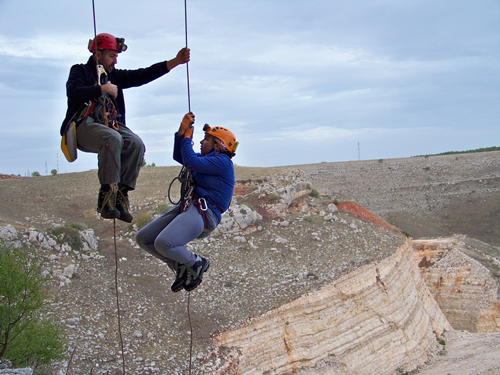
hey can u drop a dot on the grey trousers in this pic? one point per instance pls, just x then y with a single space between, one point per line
119 152
166 236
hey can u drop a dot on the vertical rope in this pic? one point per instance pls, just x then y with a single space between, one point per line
93 12
113 187
187 64
191 334
189 107
118 299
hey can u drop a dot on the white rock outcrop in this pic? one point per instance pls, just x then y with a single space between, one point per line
466 290
375 320
239 219
9 235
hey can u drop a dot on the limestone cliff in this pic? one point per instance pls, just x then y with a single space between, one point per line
373 321
463 280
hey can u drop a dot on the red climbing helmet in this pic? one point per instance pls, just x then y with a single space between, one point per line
108 41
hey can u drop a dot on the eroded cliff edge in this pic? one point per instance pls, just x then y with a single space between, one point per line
463 276
374 320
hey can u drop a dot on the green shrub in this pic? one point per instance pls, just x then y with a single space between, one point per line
336 202
314 193
78 226
70 235
142 220
273 197
26 339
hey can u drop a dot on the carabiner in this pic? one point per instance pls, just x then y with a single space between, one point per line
203 204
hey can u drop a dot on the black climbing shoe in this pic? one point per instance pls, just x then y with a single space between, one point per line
106 205
180 278
122 205
195 274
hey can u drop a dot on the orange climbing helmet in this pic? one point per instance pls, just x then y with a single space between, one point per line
107 41
223 134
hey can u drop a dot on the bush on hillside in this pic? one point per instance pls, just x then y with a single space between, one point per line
26 337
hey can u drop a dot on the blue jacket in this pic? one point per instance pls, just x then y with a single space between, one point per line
213 174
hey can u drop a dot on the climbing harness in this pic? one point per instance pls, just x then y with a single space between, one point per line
187 188
105 111
188 197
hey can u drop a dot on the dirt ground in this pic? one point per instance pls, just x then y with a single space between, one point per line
466 354
424 197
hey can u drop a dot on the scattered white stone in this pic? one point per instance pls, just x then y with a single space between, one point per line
332 208
9 234
90 241
69 271
281 240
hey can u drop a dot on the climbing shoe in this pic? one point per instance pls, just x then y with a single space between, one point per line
180 278
123 206
195 273
106 205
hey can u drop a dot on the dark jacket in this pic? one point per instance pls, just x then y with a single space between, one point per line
213 174
82 87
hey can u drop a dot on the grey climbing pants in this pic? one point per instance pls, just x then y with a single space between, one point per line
119 152
166 236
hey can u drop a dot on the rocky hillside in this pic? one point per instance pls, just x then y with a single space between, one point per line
277 251
425 196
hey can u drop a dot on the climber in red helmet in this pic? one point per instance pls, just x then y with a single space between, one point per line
97 105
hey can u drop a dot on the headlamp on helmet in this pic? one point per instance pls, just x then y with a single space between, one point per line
107 41
223 134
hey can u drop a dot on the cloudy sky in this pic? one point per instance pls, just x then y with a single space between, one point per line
297 81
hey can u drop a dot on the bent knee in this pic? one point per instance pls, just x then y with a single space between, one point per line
164 245
111 140
142 238
137 143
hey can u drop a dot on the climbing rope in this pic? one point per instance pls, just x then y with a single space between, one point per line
186 190
187 64
93 12
188 174
190 333
187 187
114 187
118 299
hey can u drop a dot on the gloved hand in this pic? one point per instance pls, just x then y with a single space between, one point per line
188 121
188 133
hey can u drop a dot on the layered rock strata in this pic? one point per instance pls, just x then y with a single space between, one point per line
466 289
375 320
